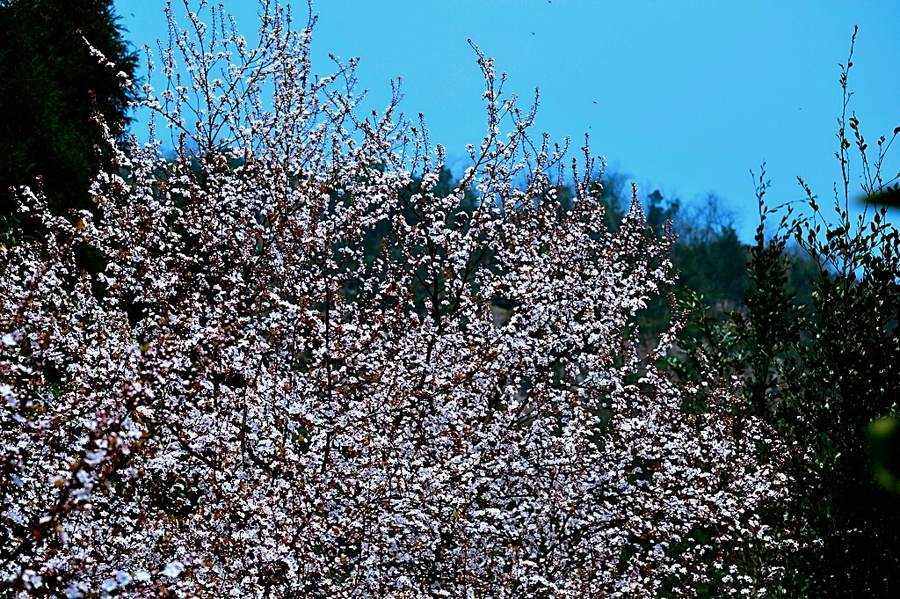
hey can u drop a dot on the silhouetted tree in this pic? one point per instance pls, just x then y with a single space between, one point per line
51 88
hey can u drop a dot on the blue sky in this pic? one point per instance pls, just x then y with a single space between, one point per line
682 95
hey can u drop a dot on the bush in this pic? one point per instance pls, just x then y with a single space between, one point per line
821 370
250 401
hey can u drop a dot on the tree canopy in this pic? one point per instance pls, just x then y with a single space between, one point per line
257 402
52 87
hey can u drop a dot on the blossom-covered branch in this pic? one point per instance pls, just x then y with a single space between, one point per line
288 379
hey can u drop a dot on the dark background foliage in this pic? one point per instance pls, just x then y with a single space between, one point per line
51 89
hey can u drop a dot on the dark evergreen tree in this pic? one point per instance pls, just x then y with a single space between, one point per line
51 89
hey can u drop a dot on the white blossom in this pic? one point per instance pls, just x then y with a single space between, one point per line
293 383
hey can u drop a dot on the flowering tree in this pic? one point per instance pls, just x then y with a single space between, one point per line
289 381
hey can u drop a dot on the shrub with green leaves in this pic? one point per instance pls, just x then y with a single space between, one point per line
821 371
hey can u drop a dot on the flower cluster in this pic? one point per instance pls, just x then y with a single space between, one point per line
305 371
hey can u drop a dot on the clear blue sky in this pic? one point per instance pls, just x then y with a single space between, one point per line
682 95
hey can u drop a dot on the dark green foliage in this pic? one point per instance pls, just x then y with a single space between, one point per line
819 368
771 328
847 377
888 197
817 346
714 267
708 256
51 88
884 445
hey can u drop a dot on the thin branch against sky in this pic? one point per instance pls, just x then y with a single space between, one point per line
686 96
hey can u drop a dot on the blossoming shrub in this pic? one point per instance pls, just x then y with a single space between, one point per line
291 379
